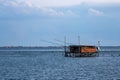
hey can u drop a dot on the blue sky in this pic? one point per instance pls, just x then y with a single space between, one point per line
34 22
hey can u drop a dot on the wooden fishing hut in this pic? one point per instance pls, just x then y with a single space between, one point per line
81 51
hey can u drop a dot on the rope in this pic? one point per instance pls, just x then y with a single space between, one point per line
51 42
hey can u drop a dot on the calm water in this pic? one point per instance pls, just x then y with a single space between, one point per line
50 64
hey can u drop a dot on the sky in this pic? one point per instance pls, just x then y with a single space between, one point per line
47 22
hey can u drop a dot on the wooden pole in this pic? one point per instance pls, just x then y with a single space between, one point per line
65 45
98 47
78 40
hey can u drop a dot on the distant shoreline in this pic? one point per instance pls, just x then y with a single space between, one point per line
31 46
47 46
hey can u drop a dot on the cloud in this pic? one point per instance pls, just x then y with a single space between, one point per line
50 7
25 7
55 12
64 3
51 12
71 13
59 3
95 12
101 2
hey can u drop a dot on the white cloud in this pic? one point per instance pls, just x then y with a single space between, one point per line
54 12
64 3
95 12
26 7
51 12
48 7
14 4
71 13
57 3
106 2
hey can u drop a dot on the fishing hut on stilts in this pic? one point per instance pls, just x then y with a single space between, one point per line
80 50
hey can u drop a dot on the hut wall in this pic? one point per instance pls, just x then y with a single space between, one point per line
87 49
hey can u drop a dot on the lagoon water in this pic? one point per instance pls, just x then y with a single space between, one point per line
50 64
